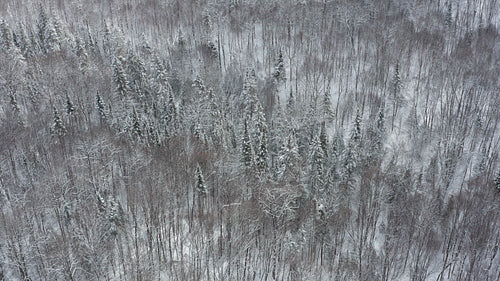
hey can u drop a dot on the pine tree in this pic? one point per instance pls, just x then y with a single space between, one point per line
497 181
249 93
328 114
381 120
356 131
449 14
22 42
338 146
82 54
6 40
317 166
481 166
279 68
7 44
396 82
52 40
101 108
397 99
42 25
119 76
350 162
58 128
200 181
246 148
353 150
375 136
70 108
290 160
262 154
161 76
137 131
114 217
136 73
290 103
13 102
323 139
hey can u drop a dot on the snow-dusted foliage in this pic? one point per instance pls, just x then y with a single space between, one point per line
249 140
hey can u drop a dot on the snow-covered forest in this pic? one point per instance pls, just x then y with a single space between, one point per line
250 140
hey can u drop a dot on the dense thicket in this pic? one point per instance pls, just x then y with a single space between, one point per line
249 140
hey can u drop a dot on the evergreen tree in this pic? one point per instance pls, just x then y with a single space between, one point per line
356 131
317 166
396 82
22 42
101 108
136 73
161 76
58 128
353 150
200 181
137 130
482 165
114 217
290 103
323 139
7 44
279 68
449 14
262 154
328 114
70 108
375 137
119 76
350 162
246 148
381 120
290 160
397 98
52 40
6 40
42 26
82 54
250 101
337 146
497 181
13 102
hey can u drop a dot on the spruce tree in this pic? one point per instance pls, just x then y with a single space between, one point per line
317 166
497 181
323 139
449 15
52 40
290 160
41 26
136 73
246 148
262 154
249 93
137 130
201 187
58 129
70 107
356 131
101 108
13 102
328 114
290 103
279 68
119 76
6 40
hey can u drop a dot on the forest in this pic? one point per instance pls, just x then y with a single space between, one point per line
250 140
